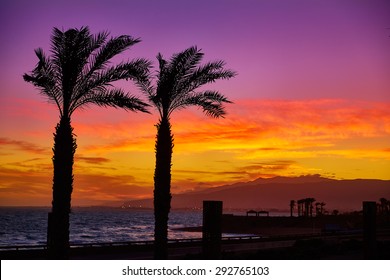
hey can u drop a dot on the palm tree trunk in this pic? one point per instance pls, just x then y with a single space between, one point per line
58 226
162 187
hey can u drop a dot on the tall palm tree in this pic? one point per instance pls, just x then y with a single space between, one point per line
176 88
318 210
310 202
75 75
322 204
383 205
292 206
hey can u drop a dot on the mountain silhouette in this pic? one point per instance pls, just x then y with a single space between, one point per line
277 192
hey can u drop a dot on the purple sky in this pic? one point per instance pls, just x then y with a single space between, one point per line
281 49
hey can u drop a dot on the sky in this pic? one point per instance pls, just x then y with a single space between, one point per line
312 96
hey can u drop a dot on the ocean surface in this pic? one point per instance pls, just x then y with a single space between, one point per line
28 225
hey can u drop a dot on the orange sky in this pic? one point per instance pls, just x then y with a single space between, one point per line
115 155
311 96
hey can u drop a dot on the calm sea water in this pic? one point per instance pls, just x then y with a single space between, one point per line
28 225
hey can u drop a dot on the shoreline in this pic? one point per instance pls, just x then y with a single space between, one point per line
282 225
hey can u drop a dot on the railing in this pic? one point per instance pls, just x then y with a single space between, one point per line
125 243
230 239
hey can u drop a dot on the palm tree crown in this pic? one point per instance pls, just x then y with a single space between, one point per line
78 72
179 79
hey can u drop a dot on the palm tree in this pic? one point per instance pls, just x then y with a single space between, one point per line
301 209
177 82
322 204
75 75
318 209
383 205
310 202
292 206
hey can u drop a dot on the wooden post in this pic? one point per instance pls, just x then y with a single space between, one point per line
369 230
212 229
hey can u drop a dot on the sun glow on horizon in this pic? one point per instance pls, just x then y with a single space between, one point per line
311 96
258 138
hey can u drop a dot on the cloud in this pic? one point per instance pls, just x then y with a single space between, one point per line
258 138
191 178
20 187
32 165
100 187
250 128
24 146
268 166
276 126
92 160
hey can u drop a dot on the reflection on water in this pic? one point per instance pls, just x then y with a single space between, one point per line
28 225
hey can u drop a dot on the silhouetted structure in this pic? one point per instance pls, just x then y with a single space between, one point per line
305 207
252 213
257 213
384 206
300 207
75 76
177 82
292 206
260 213
369 223
212 229
320 208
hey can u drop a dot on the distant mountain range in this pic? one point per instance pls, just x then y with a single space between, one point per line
277 192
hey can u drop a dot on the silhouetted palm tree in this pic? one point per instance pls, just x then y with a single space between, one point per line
383 205
177 82
292 206
318 209
322 204
310 202
301 209
75 75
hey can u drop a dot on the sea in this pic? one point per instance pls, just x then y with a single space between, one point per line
28 225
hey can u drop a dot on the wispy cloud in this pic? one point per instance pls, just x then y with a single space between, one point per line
20 187
92 160
268 166
260 125
24 146
258 138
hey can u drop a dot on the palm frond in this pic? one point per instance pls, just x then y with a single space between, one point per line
136 70
44 77
124 70
112 48
71 50
113 98
179 78
78 68
208 73
182 63
211 103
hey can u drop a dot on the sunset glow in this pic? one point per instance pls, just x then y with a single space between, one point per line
311 97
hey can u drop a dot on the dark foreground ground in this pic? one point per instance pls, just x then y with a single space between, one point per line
314 248
282 238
